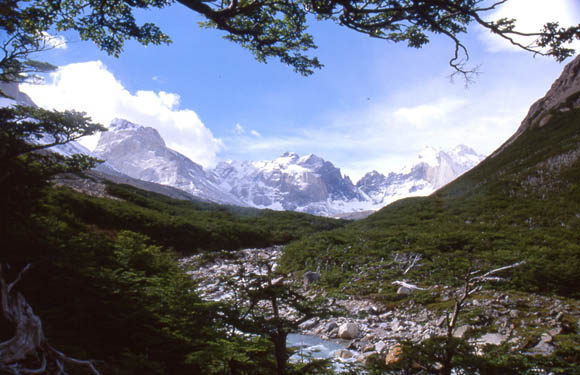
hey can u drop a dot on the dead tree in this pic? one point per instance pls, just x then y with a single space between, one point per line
472 283
29 344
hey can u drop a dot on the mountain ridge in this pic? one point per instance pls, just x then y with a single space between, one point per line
307 184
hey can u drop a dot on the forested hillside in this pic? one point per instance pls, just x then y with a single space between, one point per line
521 204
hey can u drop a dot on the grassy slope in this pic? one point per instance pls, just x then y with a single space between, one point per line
521 204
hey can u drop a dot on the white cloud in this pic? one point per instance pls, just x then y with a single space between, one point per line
255 133
239 129
91 88
531 15
54 41
424 115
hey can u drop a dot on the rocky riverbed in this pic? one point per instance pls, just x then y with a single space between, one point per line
531 323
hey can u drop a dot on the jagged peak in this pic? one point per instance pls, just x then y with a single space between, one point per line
290 154
311 160
463 149
122 124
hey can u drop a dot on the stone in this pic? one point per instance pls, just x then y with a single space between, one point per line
368 348
395 326
542 348
310 277
380 346
330 326
348 331
403 291
343 354
461 331
546 337
310 323
394 354
491 339
367 358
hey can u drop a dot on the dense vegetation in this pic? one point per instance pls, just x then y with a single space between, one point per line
187 226
523 204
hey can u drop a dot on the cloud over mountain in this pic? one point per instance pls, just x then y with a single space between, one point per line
92 88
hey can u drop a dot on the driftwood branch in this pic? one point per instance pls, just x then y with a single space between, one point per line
407 285
29 341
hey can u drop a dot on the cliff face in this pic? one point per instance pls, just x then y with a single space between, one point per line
563 96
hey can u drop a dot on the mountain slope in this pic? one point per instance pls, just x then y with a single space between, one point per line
140 152
523 203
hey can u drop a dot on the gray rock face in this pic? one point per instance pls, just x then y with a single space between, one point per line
141 153
557 97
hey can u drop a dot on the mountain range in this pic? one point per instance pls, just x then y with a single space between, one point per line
137 155
290 182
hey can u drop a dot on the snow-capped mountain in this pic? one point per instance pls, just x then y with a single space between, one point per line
311 184
141 153
432 169
289 182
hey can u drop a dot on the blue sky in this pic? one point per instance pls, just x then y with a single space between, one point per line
374 105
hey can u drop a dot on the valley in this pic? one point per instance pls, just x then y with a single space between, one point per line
481 276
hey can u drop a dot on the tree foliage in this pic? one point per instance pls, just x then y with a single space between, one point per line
269 28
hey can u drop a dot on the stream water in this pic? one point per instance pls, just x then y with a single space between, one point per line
313 345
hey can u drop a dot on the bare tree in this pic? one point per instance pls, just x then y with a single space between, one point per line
29 343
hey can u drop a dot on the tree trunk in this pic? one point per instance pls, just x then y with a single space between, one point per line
28 342
279 341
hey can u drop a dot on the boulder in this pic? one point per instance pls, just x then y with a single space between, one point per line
343 354
461 331
380 346
546 337
542 348
348 331
330 326
492 339
310 323
394 354
403 291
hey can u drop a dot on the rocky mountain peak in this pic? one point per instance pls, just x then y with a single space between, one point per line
124 135
563 95
119 124
141 153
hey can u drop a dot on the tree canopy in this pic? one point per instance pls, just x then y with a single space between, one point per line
268 28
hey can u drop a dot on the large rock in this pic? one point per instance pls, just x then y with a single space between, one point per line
404 291
343 354
394 354
542 348
491 339
461 331
348 331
